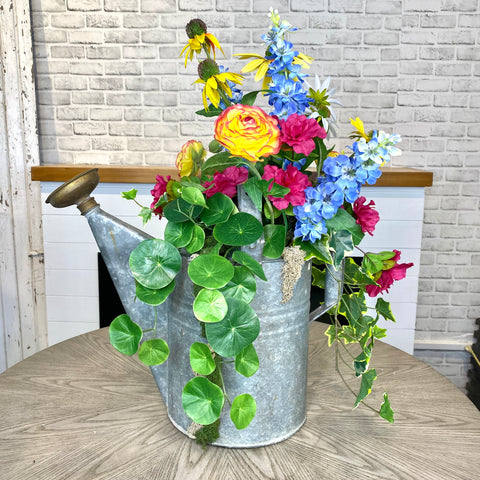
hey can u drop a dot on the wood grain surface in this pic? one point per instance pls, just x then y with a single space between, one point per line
391 176
80 410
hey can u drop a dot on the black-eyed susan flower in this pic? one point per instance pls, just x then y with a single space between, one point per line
199 38
216 82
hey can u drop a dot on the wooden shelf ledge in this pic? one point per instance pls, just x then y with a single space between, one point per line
391 177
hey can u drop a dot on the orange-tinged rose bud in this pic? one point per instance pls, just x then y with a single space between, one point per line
248 132
190 158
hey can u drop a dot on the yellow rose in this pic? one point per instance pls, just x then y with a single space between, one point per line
248 132
190 158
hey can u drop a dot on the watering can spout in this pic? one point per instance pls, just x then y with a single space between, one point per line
116 240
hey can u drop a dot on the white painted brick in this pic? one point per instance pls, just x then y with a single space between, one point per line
92 98
140 21
84 5
121 5
104 21
386 7
122 36
459 5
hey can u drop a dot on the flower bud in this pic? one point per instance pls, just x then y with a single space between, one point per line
208 68
195 27
190 158
214 147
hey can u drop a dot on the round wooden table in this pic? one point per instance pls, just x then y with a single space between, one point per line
80 410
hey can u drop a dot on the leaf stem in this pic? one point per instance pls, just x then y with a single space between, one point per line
269 205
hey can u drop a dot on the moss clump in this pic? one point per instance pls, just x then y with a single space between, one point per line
207 434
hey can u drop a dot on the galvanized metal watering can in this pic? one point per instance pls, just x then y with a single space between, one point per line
279 386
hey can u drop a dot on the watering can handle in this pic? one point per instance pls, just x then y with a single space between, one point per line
246 205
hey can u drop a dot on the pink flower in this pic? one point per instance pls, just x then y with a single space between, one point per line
367 216
386 277
291 178
158 190
299 131
226 182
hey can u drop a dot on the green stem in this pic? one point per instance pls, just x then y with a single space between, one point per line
269 205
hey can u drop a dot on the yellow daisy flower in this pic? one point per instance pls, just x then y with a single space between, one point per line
359 129
259 63
215 82
198 38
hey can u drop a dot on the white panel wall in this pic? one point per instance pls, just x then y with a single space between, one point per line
71 256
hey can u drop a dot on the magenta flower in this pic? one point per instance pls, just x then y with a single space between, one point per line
158 190
226 182
298 132
367 216
291 178
392 271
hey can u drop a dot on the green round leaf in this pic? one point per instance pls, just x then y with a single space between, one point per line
154 263
241 286
248 261
274 240
179 211
239 328
246 362
219 209
179 234
153 297
125 335
193 195
210 306
240 229
243 410
197 241
153 352
202 400
201 359
210 271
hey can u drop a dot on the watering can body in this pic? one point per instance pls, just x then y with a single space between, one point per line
279 385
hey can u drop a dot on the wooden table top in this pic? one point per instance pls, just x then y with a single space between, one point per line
80 410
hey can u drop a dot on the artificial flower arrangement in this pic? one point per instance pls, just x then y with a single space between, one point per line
308 198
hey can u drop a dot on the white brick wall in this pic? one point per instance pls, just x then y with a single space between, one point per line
111 89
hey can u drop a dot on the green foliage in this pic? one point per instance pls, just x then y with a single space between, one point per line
237 330
219 208
153 352
210 306
202 400
179 211
243 410
386 411
131 194
179 234
155 263
368 378
201 359
239 230
241 286
246 362
219 162
146 214
194 196
210 271
151 296
198 240
249 262
319 250
125 335
274 240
